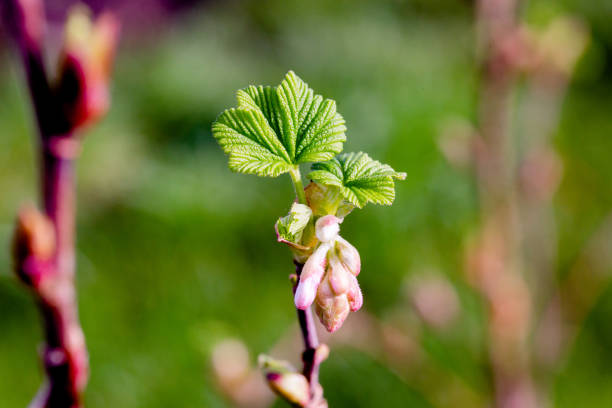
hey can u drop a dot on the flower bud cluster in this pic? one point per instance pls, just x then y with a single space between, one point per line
328 278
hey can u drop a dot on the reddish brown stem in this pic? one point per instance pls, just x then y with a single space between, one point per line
64 354
64 337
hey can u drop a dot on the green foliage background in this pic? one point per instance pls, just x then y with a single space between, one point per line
176 252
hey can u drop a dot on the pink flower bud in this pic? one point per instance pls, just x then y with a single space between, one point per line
331 309
333 312
327 228
311 275
305 293
338 275
354 295
348 255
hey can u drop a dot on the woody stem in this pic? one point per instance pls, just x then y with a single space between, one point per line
64 354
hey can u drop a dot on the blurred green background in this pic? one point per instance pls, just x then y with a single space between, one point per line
176 253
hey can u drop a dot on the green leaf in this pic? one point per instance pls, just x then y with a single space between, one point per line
274 129
290 227
360 178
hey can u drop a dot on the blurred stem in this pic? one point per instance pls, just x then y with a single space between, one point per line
296 177
64 355
498 272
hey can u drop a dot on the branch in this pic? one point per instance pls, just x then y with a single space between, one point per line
44 242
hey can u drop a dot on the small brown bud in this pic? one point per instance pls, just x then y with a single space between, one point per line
291 386
34 236
85 65
285 381
321 353
33 245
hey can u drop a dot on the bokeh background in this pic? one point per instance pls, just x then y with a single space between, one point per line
181 282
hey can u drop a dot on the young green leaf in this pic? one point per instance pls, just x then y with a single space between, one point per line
360 178
274 129
290 227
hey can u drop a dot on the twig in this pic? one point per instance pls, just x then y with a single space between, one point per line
44 244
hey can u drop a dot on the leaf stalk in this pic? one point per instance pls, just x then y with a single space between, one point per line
296 177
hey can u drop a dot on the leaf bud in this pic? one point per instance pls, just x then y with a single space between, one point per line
33 244
85 65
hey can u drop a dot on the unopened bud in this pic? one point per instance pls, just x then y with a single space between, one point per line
311 275
327 228
329 276
34 235
85 65
354 295
338 276
295 230
324 200
332 309
291 386
321 353
305 293
33 244
285 381
348 255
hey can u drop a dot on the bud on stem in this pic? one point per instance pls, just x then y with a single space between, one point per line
283 379
85 65
33 245
329 276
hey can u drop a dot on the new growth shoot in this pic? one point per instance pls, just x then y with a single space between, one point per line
272 131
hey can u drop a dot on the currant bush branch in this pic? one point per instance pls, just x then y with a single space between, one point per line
43 245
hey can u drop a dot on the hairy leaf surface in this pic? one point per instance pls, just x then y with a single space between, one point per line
274 129
360 178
